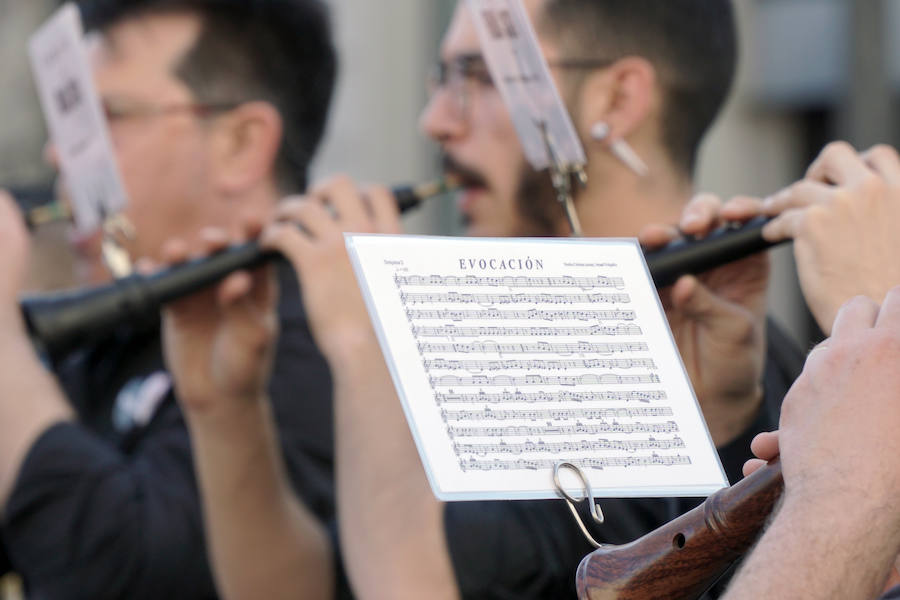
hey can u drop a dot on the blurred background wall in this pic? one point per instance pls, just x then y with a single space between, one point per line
21 124
811 71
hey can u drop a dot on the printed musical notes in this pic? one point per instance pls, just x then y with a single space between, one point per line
551 364
564 349
584 463
454 331
530 380
413 298
554 414
533 314
568 430
509 365
562 396
541 446
509 281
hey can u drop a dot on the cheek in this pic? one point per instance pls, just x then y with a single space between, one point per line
502 147
154 166
141 160
165 187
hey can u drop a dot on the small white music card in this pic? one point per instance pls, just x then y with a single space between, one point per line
75 119
513 355
520 72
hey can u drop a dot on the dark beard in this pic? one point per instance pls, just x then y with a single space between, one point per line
537 204
539 211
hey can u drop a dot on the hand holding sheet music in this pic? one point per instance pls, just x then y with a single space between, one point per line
511 356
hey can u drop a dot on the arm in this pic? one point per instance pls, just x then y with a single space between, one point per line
838 531
391 525
384 501
818 551
262 539
31 400
263 542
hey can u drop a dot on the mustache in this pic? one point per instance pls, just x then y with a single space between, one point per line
466 176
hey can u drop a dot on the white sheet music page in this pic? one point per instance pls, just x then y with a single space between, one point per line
520 72
512 355
75 119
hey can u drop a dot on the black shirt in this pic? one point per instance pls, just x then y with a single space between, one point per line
108 507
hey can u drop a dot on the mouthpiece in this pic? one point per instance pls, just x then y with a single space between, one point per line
409 197
45 214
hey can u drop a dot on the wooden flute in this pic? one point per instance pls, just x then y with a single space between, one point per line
682 559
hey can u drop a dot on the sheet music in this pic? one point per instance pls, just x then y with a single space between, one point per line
75 119
512 355
519 70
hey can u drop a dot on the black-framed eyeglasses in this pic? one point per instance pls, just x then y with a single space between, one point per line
467 74
115 113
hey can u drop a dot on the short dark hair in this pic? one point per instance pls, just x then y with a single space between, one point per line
278 51
692 44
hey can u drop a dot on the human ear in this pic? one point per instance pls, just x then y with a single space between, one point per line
246 141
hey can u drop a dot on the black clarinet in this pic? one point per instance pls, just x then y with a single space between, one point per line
60 322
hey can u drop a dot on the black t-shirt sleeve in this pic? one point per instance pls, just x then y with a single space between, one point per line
84 519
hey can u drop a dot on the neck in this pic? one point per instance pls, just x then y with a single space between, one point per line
619 203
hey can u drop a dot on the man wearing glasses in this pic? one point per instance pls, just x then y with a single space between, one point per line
649 72
654 74
215 109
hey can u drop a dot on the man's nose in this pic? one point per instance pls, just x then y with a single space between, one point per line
440 120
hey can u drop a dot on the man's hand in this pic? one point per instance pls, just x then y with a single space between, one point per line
219 343
843 218
838 431
219 346
14 251
765 448
381 485
838 444
718 320
30 400
310 233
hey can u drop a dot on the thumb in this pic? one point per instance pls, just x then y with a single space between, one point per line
13 247
248 314
698 303
752 466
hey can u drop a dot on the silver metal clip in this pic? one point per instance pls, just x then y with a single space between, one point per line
561 176
116 258
596 511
